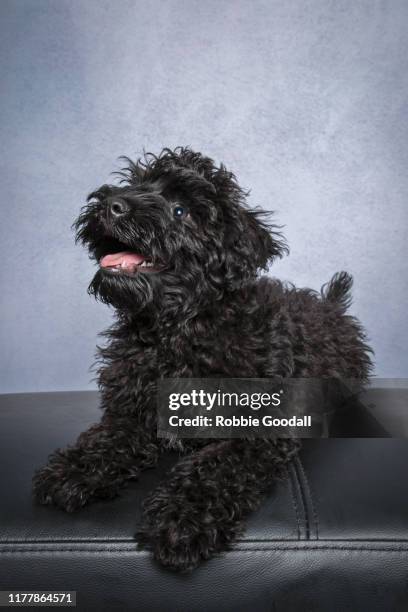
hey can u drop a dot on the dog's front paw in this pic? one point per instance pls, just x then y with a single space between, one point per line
177 545
62 483
180 534
65 492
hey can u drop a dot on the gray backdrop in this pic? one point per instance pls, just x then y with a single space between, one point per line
305 100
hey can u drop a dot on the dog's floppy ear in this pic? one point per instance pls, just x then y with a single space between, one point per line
251 243
265 241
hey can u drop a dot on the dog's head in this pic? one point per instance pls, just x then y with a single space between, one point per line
176 225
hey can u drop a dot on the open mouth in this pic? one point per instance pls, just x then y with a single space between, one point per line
123 261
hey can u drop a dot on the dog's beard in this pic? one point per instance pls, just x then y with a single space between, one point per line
122 291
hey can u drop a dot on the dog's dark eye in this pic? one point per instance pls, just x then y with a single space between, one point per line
179 212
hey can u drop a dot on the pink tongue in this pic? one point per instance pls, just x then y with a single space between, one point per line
124 259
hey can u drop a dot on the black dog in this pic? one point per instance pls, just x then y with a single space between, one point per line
179 253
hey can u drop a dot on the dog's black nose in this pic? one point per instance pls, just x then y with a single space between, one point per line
118 208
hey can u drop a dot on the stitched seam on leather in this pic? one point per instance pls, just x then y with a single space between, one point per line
310 496
299 500
320 548
119 543
303 498
295 505
265 549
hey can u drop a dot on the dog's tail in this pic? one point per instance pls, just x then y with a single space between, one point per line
338 290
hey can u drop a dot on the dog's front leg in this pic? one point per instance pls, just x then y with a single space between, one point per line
201 508
101 461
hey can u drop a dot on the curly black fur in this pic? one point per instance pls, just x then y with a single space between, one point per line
201 311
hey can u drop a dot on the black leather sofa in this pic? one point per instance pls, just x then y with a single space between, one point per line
334 536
